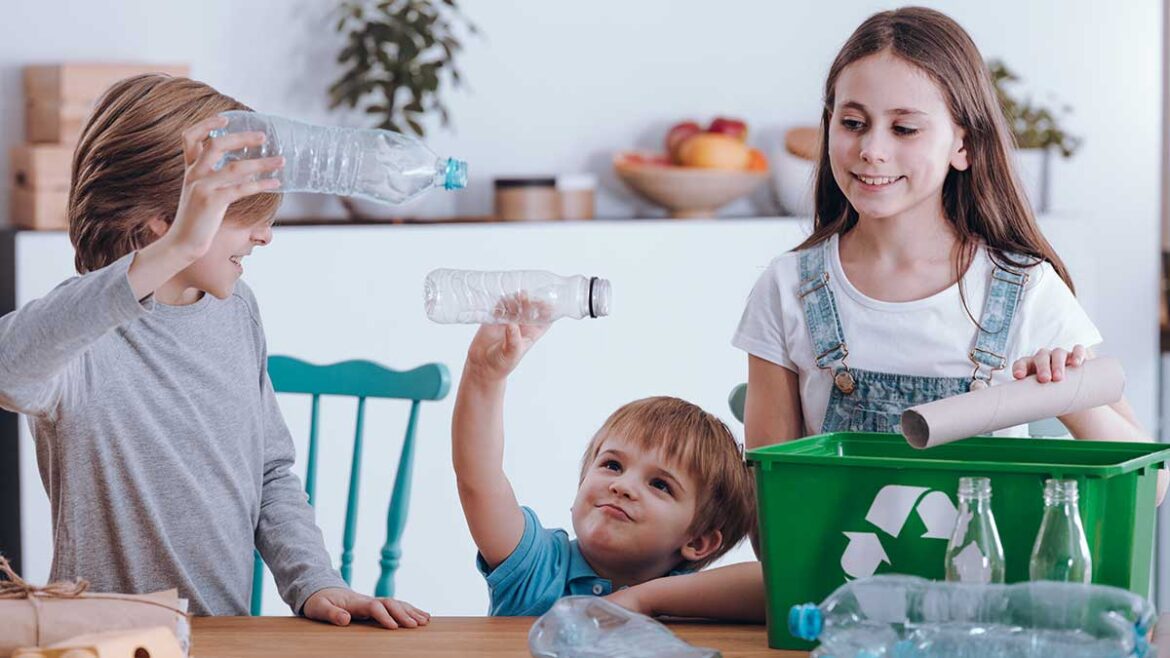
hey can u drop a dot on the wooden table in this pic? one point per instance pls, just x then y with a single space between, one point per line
292 637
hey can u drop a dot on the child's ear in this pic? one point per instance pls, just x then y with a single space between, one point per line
157 226
702 546
959 155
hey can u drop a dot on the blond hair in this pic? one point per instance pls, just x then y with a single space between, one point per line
703 445
128 165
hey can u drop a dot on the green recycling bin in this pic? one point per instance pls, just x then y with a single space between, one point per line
841 506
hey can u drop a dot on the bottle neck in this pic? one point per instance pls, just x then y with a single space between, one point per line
1060 492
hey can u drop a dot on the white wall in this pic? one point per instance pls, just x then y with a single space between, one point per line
557 86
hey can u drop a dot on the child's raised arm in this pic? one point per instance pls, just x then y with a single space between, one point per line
204 200
477 438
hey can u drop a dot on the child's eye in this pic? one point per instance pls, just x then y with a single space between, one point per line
662 485
905 131
852 125
611 465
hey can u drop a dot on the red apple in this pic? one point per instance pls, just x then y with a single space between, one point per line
678 134
730 127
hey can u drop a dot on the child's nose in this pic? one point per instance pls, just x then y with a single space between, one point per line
622 487
873 148
263 235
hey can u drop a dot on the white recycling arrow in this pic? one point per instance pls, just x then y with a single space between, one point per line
892 505
863 554
938 515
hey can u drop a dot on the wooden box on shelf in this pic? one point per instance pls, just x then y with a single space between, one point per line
40 185
42 210
41 166
58 97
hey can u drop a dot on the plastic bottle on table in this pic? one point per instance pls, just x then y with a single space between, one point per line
911 617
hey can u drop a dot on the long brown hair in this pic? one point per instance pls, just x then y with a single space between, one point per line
128 166
985 203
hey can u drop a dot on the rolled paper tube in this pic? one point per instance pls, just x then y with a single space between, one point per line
1094 383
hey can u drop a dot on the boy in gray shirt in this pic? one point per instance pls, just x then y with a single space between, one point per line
158 435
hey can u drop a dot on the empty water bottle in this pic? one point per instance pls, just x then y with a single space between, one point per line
589 627
975 554
1061 551
909 617
521 296
374 164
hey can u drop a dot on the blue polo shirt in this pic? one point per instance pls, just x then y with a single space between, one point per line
545 566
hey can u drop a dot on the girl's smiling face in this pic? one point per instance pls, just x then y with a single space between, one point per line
892 140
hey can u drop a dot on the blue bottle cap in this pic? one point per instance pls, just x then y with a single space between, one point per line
805 621
456 175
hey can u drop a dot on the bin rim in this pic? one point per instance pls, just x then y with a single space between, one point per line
1132 455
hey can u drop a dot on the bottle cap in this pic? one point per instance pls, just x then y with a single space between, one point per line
456 175
599 297
805 621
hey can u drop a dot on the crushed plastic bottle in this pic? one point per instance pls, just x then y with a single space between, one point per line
910 617
521 296
360 162
591 627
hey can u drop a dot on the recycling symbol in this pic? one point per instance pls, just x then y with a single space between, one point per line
889 511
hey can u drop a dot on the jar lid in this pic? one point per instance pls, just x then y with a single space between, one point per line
525 182
575 182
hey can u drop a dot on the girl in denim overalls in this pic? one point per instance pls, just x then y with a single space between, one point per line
925 275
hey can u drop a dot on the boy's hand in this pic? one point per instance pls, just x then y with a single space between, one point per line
631 599
1049 365
338 605
497 349
207 193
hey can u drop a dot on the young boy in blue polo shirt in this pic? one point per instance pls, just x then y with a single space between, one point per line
663 491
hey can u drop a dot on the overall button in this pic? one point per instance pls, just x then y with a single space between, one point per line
844 381
597 589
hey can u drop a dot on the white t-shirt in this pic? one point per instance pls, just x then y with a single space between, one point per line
928 337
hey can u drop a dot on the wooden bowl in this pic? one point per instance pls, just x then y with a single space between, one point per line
685 192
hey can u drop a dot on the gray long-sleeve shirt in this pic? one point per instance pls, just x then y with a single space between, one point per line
160 443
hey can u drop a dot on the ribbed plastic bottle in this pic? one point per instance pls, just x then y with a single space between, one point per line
518 296
358 162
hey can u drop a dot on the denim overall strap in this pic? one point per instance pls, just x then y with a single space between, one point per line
820 314
1004 293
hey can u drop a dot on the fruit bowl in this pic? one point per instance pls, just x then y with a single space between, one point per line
685 192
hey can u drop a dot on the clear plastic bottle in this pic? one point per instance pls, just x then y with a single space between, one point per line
374 164
908 616
974 553
520 296
1061 551
591 627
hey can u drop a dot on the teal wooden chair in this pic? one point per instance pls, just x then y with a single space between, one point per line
362 380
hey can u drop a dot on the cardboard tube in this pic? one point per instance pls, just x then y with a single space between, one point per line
1096 382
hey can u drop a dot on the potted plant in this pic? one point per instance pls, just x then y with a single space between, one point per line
1037 132
398 57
